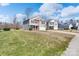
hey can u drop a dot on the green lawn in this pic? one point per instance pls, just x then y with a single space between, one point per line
21 43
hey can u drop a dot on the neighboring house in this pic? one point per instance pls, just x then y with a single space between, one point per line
77 25
52 24
66 26
35 23
63 26
70 26
42 25
38 23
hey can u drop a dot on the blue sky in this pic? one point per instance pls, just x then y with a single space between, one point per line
15 8
64 11
10 10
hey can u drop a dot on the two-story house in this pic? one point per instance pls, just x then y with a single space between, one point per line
52 24
77 25
35 23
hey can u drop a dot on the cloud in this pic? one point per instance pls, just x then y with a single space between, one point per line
58 11
4 4
35 14
19 15
70 11
49 9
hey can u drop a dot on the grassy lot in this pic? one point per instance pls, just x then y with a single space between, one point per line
21 43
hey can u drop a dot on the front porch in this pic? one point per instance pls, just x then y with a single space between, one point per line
33 27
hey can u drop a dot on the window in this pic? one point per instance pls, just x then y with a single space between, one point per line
51 23
35 21
32 21
43 22
56 23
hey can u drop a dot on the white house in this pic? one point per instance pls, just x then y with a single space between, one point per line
70 26
42 25
77 25
35 23
53 24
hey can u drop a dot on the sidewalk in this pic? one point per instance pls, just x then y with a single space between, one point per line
73 48
62 32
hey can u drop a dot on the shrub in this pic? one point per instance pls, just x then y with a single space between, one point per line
30 28
6 29
17 28
66 28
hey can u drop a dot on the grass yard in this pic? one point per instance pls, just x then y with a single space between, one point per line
21 43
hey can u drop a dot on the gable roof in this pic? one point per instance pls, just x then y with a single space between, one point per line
26 21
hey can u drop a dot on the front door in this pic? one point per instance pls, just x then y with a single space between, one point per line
36 27
33 27
51 27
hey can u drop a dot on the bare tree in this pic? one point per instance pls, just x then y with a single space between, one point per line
14 20
16 24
